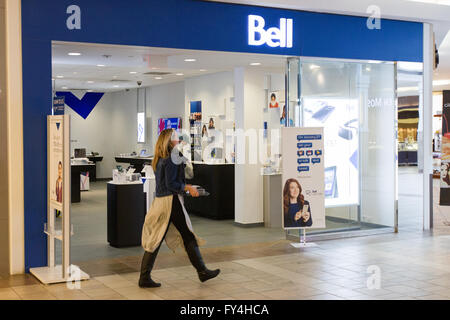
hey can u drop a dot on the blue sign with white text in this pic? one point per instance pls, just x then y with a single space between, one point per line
304 145
309 137
58 106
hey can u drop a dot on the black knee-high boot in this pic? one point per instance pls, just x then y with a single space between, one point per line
145 279
197 261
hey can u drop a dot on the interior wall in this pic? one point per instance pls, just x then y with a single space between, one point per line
163 101
110 129
214 91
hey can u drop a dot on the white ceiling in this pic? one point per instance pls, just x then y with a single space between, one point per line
109 68
83 72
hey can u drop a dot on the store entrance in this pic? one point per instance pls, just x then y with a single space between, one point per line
119 99
369 127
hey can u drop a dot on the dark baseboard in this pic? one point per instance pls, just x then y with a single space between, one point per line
104 179
248 225
352 222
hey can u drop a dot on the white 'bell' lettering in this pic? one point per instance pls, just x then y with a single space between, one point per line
273 37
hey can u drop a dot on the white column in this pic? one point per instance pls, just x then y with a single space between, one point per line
249 102
428 55
15 135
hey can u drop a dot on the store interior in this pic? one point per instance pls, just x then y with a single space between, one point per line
161 84
148 89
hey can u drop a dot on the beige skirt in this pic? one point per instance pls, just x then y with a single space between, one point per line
157 221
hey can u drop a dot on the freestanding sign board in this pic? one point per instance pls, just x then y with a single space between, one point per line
444 194
303 179
58 199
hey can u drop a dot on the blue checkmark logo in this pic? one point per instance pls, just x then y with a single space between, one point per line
84 106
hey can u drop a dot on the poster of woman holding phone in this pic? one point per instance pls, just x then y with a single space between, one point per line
297 211
58 187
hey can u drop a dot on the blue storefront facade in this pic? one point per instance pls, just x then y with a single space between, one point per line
181 24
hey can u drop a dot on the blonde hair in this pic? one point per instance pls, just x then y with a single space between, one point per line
162 147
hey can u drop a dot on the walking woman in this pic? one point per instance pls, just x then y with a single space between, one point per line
167 218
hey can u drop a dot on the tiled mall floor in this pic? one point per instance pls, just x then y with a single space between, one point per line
413 265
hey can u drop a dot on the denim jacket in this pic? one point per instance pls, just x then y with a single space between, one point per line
169 177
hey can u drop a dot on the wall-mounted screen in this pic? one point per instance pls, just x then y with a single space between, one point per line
141 127
167 123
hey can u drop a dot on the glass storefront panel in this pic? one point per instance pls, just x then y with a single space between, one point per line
355 103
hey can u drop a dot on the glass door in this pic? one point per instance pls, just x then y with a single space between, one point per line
355 103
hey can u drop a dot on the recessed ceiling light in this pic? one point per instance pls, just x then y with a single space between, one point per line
90 81
60 77
65 88
74 54
116 86
114 76
255 63
314 66
158 78
180 74
133 72
202 70
190 60
100 65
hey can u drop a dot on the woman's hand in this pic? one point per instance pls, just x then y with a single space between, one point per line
305 216
192 190
298 215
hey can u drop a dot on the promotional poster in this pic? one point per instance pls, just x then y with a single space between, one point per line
303 176
56 151
444 198
58 105
273 100
339 117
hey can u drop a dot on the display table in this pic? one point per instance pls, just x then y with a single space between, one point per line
75 171
406 157
94 159
272 204
137 162
125 214
218 180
